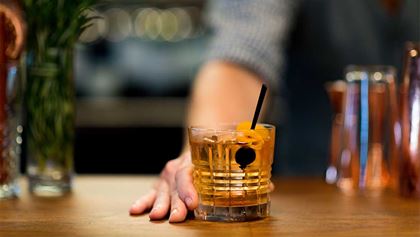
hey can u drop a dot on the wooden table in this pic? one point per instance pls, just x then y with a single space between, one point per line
300 207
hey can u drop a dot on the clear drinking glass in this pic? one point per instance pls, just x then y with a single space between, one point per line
232 171
50 121
10 129
370 128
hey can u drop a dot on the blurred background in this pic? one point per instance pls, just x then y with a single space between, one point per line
134 68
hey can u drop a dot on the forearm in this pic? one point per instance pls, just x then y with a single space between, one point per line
223 93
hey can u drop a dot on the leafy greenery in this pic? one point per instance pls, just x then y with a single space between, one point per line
55 23
53 28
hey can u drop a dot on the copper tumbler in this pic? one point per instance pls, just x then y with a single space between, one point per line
410 123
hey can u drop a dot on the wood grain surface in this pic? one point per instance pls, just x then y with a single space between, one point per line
99 206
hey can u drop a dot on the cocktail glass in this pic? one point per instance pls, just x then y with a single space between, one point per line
232 170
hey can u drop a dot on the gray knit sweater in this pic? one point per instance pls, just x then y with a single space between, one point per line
250 33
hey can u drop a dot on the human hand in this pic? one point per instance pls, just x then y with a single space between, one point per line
173 191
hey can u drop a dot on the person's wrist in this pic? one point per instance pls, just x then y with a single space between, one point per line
185 151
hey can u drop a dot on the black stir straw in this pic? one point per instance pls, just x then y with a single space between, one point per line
246 155
259 105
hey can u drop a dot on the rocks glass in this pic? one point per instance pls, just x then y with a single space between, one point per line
232 170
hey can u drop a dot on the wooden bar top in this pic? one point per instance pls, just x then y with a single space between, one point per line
302 207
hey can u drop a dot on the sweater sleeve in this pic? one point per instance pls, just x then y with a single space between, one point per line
250 33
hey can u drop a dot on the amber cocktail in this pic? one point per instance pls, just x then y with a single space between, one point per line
232 170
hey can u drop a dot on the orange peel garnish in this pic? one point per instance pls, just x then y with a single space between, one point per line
252 138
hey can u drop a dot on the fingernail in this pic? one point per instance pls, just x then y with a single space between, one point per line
172 217
174 211
135 204
188 201
155 208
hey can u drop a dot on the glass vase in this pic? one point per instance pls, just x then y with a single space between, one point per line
11 95
50 121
